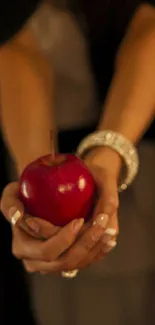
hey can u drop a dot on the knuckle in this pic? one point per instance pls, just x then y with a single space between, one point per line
88 244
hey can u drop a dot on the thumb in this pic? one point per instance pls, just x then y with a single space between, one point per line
13 210
10 205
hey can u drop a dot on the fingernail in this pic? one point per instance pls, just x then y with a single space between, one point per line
110 231
14 215
12 211
33 226
101 220
111 244
77 225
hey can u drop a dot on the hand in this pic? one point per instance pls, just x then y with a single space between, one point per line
28 231
65 251
98 237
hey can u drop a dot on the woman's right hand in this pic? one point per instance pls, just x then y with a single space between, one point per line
28 232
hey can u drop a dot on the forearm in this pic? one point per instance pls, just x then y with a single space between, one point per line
130 103
26 102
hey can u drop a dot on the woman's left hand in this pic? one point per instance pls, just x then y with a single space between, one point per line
99 236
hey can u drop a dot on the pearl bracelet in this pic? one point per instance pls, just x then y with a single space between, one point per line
118 143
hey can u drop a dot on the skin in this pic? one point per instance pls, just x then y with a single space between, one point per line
129 109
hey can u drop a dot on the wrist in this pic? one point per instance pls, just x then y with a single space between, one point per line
105 157
112 147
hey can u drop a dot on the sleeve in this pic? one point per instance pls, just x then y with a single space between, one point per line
13 16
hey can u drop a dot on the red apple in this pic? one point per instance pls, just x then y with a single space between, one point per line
57 189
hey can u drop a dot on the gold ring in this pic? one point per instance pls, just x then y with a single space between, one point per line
69 274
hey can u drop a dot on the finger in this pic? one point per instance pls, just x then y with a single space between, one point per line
73 256
104 250
109 240
98 253
44 231
108 194
13 210
104 246
58 244
106 207
71 259
43 268
33 226
111 233
26 247
10 204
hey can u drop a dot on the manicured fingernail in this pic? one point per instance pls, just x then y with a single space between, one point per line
101 220
33 226
12 211
108 234
14 215
111 244
77 225
110 231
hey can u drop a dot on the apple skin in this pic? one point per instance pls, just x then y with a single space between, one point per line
58 189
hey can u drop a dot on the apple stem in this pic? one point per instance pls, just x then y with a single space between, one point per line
53 153
53 147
